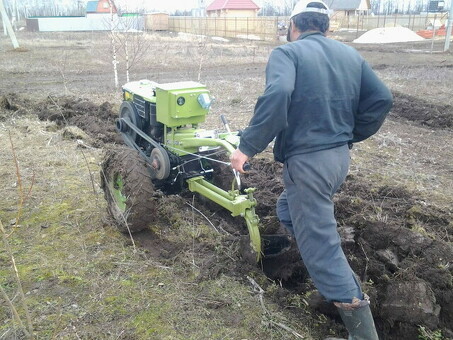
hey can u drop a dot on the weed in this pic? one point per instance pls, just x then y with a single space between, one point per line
426 334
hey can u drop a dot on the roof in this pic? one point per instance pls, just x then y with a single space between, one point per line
100 6
231 4
92 6
345 5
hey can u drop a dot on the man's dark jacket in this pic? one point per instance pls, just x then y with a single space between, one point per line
319 94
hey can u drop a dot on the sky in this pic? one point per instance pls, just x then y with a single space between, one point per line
173 5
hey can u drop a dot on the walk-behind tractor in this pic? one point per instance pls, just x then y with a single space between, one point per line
168 151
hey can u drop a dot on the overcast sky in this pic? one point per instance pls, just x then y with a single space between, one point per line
173 5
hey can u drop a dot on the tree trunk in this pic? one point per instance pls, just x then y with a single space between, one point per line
114 61
127 60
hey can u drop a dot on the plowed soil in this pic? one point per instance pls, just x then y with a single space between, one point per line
394 211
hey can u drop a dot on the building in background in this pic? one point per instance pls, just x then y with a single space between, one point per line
343 8
232 8
156 21
98 17
100 7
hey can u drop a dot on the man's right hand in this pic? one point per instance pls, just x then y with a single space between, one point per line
237 159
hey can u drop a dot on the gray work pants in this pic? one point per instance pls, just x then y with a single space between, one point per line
306 208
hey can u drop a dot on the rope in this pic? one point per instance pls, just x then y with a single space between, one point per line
200 157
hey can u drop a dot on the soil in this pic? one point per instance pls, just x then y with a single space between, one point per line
394 210
422 111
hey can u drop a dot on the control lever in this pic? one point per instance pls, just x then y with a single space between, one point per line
225 123
246 166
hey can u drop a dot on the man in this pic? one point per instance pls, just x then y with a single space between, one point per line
320 97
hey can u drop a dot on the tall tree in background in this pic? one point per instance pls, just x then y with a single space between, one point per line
288 6
114 55
25 8
375 6
420 6
269 9
389 6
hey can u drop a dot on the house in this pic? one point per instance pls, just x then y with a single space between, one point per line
347 13
232 8
101 6
349 7
97 18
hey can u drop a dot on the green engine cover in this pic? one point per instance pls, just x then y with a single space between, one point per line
180 103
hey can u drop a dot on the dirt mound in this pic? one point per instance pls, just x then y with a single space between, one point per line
421 111
98 121
13 105
388 35
401 248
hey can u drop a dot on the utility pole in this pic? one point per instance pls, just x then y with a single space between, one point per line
7 23
449 26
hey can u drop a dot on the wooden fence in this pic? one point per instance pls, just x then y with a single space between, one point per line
267 28
257 28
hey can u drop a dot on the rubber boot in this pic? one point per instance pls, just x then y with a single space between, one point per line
358 319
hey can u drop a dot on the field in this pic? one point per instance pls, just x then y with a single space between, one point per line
185 278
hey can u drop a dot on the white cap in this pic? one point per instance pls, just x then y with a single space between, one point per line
301 7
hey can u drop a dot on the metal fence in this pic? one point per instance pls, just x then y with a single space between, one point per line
270 28
414 22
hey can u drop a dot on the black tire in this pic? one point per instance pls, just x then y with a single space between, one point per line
128 190
128 111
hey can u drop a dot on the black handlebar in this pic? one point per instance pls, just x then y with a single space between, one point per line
246 167
224 120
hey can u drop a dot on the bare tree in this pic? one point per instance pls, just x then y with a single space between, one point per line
113 45
25 8
132 43
423 5
269 9
390 6
288 6
128 42
375 6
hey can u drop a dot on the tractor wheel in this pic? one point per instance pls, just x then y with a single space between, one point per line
128 190
128 111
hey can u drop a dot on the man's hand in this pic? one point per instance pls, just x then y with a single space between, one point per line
238 158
